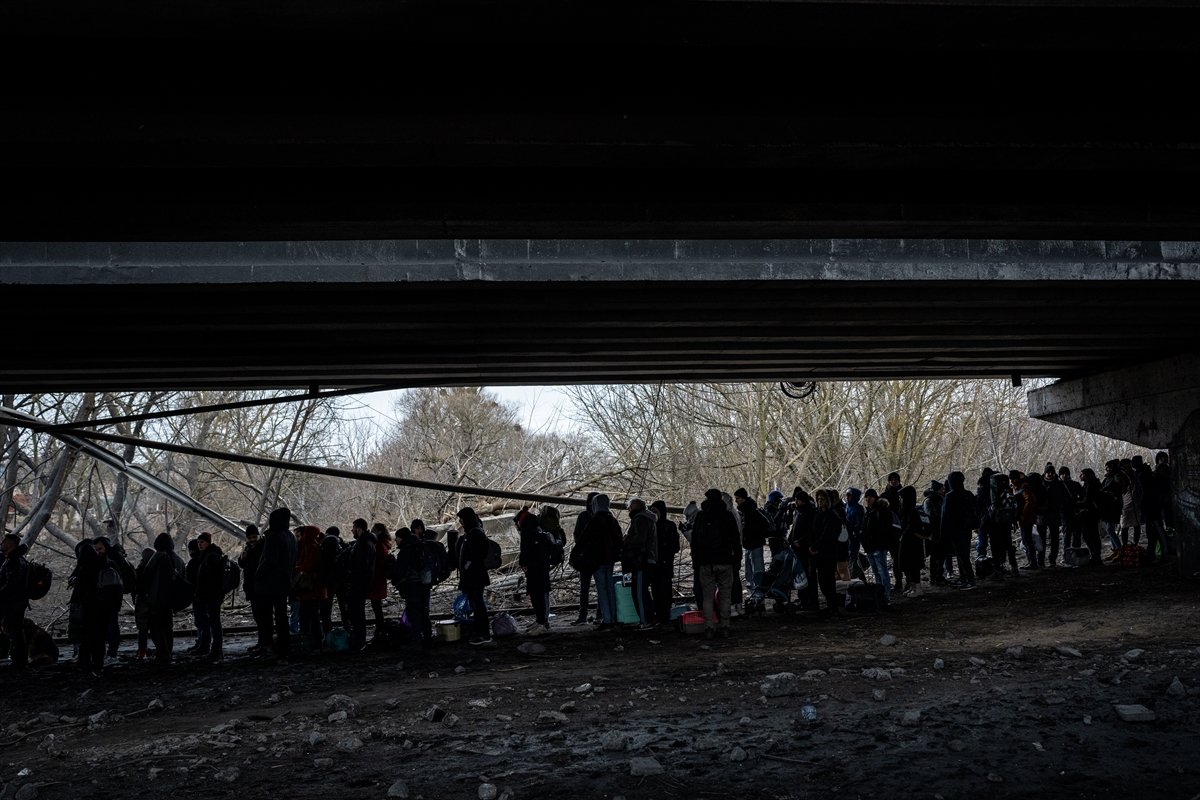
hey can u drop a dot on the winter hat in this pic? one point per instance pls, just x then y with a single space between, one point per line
279 519
252 530
935 486
775 496
871 493
659 505
712 494
742 493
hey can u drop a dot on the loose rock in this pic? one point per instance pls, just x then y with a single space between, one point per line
551 718
487 791
876 673
398 789
887 640
879 694
976 661
1017 652
939 664
737 754
1176 689
781 684
583 688
531 648
614 742
1134 655
338 716
341 702
27 792
911 719
156 705
1134 713
1063 650
322 763
350 745
641 767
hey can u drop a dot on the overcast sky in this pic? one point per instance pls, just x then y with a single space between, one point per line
538 406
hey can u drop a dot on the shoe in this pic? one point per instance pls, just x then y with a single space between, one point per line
111 661
580 621
193 650
537 629
966 587
647 626
141 656
480 640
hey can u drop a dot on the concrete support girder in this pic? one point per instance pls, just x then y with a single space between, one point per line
1144 404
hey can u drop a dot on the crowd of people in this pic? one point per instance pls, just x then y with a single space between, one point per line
740 553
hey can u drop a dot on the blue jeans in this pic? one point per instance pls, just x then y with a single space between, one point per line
294 616
1113 537
641 594
879 566
754 567
606 598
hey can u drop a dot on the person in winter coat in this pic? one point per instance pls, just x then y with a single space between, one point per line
307 585
1088 515
331 550
141 606
1131 503
939 560
958 520
383 568
163 570
1072 494
585 576
824 551
639 555
473 576
1116 484
273 578
534 560
193 564
856 517
14 599
755 530
716 553
103 603
413 581
912 540
260 606
360 580
1031 502
662 576
876 540
209 592
601 544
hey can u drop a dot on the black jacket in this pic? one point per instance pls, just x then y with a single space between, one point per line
249 564
639 548
715 537
958 509
362 565
14 590
161 570
668 541
472 575
755 526
601 538
210 576
877 531
826 528
273 578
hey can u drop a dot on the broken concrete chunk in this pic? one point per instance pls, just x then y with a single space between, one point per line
737 754
887 640
1134 713
642 766
1017 652
341 702
614 742
1064 650
1176 689
781 684
551 718
488 791
398 789
1134 655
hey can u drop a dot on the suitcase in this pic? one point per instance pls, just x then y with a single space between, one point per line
626 610
1076 556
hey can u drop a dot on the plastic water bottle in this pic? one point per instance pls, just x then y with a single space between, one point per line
809 712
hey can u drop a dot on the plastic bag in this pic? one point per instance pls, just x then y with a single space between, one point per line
462 608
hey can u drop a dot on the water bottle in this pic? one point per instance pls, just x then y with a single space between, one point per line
809 712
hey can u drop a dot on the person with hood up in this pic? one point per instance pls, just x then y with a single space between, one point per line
585 575
331 549
14 599
912 540
360 579
307 585
639 555
141 606
601 543
260 607
209 592
777 514
534 560
662 577
164 569
1088 514
856 517
414 580
716 553
1031 501
105 601
958 521
756 527
193 564
939 556
273 578
473 575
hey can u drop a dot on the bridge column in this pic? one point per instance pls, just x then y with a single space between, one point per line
1154 405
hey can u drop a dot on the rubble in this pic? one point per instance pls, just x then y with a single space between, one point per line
781 684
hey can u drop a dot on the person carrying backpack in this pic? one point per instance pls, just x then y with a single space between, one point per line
260 607
14 599
331 550
1110 502
163 571
585 574
534 560
473 575
307 585
716 552
209 592
1088 514
958 521
756 529
101 603
384 559
359 577
1032 500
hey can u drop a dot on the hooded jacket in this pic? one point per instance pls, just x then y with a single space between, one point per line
639 548
308 560
755 525
602 536
361 569
14 591
472 574
667 533
210 576
162 570
715 537
958 508
856 515
584 518
826 528
273 578
248 561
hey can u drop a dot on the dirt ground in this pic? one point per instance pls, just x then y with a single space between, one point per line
949 710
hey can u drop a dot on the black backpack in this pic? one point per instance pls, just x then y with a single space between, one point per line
37 580
343 568
233 575
495 556
435 561
556 547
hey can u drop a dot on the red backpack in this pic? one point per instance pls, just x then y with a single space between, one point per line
1130 555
